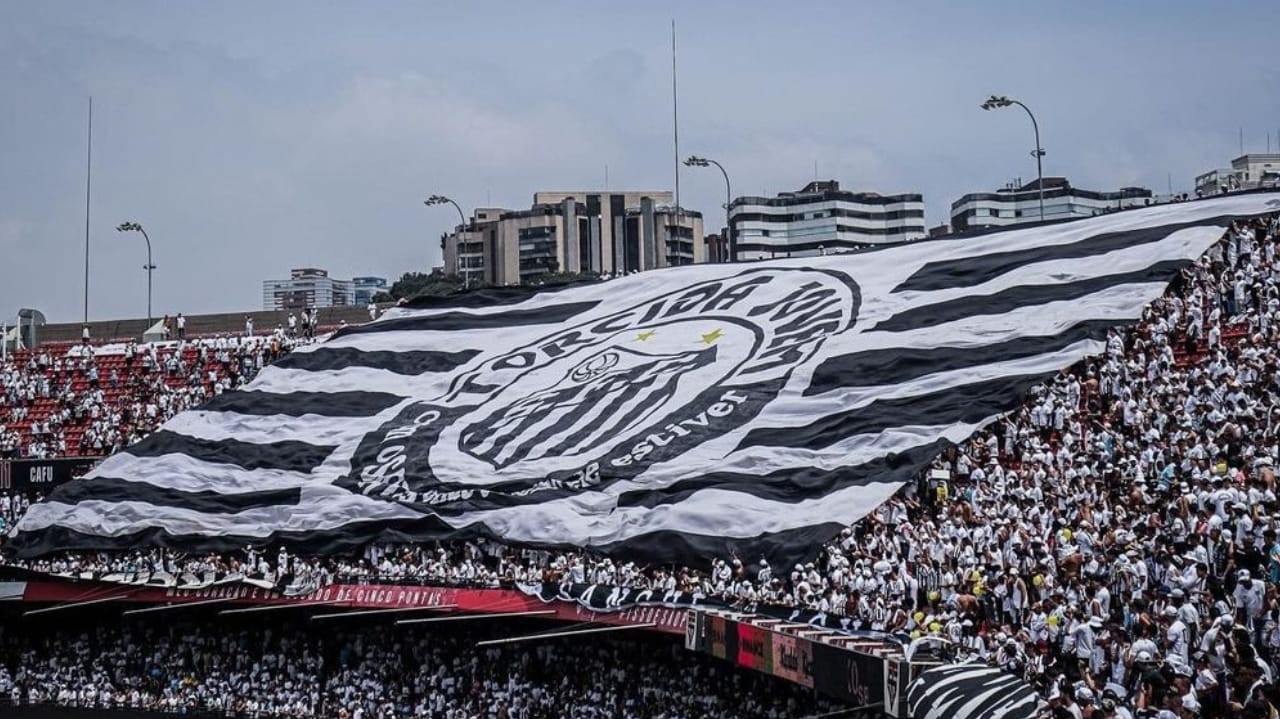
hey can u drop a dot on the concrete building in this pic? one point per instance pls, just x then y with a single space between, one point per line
822 218
717 244
1247 172
1020 204
364 288
597 232
306 287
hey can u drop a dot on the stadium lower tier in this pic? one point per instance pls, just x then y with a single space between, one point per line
97 663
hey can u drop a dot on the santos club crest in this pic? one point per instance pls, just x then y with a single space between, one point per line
579 405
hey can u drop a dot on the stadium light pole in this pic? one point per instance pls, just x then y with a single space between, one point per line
998 101
442 200
135 227
695 161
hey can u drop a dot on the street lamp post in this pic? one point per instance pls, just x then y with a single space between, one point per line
996 101
462 218
695 161
135 227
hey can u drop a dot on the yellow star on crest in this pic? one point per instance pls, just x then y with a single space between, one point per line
644 336
711 337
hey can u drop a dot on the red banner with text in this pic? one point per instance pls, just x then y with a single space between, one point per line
365 596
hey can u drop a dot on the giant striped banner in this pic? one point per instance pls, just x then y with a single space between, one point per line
671 415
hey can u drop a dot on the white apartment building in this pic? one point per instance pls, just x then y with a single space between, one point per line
307 287
1020 205
1247 172
821 218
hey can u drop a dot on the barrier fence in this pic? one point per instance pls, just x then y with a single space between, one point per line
8 710
41 475
864 670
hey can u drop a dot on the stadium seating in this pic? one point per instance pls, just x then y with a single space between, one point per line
140 378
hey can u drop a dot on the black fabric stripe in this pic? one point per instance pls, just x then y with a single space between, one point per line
108 489
667 548
793 485
1022 296
460 321
894 365
297 404
657 548
288 455
494 296
965 403
971 271
406 363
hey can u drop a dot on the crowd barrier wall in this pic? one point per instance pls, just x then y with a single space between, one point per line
48 711
42 475
862 669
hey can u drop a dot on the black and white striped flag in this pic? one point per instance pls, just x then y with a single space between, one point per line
970 691
667 415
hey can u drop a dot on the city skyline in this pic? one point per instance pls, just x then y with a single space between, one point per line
310 135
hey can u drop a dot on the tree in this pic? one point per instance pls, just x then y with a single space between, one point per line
553 279
410 284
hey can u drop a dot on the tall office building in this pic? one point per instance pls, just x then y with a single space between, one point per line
578 232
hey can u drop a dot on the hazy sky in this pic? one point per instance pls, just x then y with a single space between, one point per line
249 138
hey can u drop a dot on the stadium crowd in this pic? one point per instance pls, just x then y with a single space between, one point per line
1116 540
92 400
259 670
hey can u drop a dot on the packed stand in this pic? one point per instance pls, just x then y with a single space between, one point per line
91 400
12 506
1116 539
261 671
155 667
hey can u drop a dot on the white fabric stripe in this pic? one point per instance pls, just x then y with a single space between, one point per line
1119 303
1185 244
312 429
320 508
352 379
401 340
179 471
